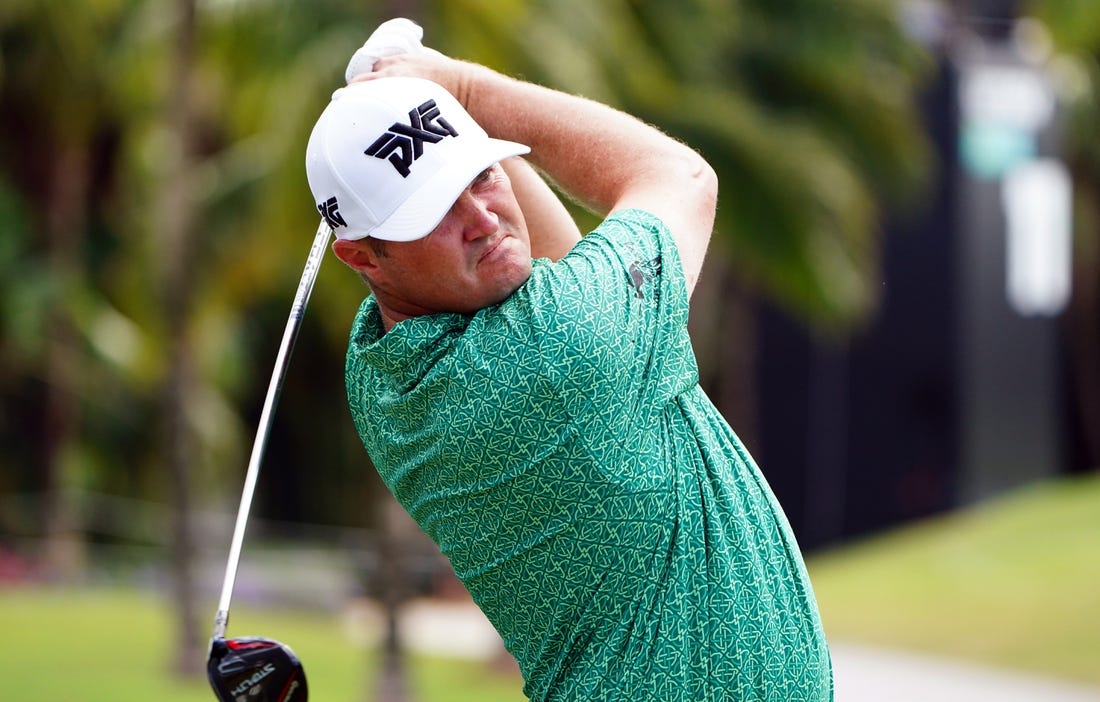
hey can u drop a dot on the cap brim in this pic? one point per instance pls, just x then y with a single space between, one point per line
424 209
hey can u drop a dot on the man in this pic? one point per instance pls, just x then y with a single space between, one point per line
542 420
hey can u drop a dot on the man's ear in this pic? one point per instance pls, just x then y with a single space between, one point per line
358 255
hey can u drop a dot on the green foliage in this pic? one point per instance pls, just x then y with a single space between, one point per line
27 286
1075 24
1074 27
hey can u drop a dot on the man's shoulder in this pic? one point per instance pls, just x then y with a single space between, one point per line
638 237
636 221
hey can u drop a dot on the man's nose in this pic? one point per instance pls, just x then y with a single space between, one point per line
477 219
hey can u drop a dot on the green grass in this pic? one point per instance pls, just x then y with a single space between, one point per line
115 646
1013 583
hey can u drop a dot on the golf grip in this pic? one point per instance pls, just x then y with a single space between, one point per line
297 310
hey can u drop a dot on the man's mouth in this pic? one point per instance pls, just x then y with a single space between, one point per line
491 249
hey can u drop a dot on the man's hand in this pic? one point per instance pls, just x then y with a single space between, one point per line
395 36
549 224
426 63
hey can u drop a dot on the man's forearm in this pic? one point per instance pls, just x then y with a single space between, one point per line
601 156
552 229
594 152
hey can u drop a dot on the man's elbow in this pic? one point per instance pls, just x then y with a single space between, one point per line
693 179
705 183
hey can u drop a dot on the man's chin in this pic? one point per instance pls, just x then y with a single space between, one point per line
509 291
512 282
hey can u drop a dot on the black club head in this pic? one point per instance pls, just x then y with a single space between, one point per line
255 669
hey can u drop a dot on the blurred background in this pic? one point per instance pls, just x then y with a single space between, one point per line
900 316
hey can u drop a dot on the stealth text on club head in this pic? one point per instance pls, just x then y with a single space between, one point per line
255 669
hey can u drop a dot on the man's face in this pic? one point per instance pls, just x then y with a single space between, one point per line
478 255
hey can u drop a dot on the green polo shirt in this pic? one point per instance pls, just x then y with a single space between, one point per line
598 508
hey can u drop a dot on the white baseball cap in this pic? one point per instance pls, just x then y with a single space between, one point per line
388 157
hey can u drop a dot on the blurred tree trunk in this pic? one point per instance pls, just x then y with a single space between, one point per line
1083 321
175 223
393 589
65 198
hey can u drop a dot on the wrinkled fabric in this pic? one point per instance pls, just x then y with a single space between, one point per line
598 508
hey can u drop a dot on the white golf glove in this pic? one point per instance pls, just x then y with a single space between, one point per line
392 37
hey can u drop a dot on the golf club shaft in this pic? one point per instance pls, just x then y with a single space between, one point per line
297 310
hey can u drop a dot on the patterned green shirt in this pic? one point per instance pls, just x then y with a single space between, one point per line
601 512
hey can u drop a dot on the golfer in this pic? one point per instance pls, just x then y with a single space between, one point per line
531 396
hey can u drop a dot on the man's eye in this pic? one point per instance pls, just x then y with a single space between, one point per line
484 176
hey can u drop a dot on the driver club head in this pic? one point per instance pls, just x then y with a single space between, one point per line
255 669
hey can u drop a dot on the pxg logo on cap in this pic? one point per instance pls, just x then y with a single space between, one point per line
426 124
330 211
388 157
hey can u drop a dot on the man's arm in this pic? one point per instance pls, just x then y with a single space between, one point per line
552 229
605 158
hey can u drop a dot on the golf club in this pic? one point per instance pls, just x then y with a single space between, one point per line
257 669
253 668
